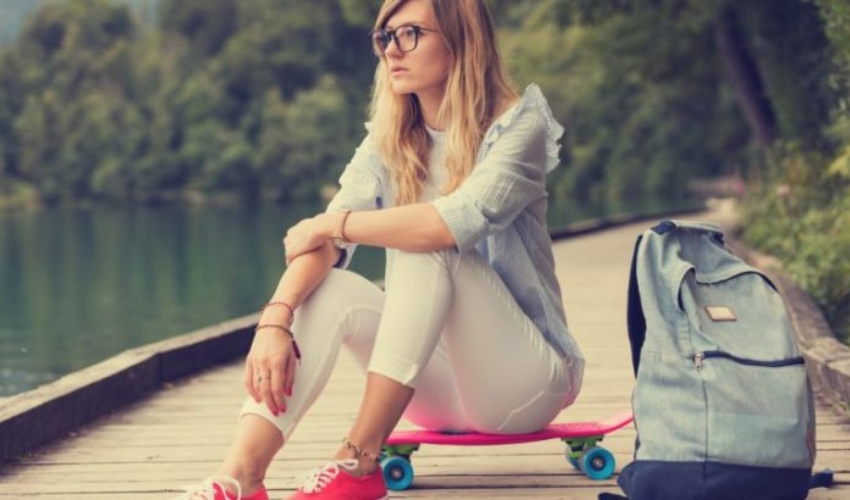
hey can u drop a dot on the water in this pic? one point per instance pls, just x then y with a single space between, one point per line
80 285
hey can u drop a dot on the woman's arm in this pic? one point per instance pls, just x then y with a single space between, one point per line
272 352
413 228
301 277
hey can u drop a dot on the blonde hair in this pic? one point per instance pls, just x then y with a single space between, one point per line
478 88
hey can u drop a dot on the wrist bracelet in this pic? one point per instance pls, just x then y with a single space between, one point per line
339 231
284 304
288 332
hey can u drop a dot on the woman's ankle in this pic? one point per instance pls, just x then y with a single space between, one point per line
365 466
249 479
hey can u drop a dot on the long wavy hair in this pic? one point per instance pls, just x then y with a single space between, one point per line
477 90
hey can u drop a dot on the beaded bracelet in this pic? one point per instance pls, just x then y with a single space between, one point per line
288 332
284 304
358 451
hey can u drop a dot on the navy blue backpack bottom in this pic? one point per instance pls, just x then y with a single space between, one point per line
660 480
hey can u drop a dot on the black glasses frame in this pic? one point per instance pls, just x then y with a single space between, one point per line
382 38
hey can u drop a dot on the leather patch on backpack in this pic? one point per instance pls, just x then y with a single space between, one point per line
720 313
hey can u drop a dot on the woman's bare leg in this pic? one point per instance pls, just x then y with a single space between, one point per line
383 403
253 448
344 309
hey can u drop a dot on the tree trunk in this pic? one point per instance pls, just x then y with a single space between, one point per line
744 76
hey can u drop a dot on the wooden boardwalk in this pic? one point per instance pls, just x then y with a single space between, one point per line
179 434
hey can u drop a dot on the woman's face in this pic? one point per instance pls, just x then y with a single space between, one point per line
424 69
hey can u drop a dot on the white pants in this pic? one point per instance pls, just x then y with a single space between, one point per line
446 326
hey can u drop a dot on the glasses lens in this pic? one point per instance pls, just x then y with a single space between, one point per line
380 41
407 37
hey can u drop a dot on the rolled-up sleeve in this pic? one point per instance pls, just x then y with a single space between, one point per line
508 179
360 187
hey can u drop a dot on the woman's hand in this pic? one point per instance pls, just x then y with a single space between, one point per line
270 368
308 235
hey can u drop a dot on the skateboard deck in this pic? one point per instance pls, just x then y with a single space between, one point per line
581 438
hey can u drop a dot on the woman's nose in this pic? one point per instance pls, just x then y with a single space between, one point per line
393 50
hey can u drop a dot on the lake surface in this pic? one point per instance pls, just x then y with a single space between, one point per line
80 285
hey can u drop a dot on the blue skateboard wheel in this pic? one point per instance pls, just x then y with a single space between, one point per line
598 463
398 473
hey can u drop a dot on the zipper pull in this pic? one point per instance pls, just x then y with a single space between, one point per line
698 357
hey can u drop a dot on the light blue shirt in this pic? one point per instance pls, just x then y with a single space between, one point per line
498 211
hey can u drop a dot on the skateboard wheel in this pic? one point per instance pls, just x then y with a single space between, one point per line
398 473
597 463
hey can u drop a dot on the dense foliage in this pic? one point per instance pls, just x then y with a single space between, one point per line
266 98
247 98
800 210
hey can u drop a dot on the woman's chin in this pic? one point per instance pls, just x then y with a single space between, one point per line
401 88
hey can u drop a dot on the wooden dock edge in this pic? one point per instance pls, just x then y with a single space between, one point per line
50 412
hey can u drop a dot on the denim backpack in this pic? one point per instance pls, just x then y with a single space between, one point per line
723 406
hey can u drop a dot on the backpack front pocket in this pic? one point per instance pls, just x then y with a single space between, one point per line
757 411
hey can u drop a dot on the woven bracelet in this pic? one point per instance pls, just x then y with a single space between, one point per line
284 304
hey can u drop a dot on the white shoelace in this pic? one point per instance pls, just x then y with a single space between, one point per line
316 480
206 490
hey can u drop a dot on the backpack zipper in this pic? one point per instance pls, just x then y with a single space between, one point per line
778 363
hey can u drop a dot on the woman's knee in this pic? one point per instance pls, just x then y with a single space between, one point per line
344 301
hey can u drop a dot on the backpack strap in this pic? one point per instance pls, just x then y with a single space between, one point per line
822 479
634 316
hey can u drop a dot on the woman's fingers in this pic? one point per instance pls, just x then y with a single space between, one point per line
295 247
249 382
277 384
269 371
300 239
290 375
268 396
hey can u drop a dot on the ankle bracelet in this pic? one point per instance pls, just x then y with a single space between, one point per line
358 452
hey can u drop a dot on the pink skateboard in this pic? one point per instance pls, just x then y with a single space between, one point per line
581 439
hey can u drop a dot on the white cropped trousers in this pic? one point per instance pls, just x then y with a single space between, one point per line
447 326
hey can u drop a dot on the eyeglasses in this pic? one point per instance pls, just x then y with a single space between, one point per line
406 38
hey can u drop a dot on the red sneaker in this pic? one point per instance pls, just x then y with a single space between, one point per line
213 489
335 482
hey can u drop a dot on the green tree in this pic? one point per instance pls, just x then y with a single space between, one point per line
644 113
206 24
304 143
12 92
39 139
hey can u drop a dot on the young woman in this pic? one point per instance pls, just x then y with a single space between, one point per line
470 333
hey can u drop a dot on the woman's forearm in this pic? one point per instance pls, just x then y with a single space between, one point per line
413 228
301 277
